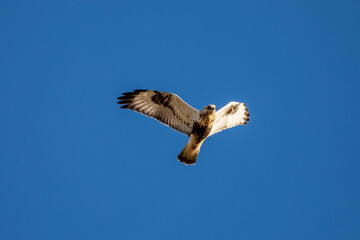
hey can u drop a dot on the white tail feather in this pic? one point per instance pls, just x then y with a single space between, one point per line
190 152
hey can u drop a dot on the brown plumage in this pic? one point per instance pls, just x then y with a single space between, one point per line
172 111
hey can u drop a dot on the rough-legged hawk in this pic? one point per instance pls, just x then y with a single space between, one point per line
172 111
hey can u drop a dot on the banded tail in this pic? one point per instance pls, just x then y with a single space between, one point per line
190 152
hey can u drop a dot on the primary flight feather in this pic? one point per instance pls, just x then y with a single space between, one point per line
172 111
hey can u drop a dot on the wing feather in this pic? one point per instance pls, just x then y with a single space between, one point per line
233 114
165 107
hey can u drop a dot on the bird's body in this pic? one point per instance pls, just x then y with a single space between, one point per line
200 130
172 111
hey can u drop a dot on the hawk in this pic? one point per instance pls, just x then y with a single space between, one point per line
172 111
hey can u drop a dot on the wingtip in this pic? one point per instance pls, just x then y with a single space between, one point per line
127 97
140 90
127 93
123 102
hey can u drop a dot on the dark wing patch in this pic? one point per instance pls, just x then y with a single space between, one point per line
232 109
162 98
166 107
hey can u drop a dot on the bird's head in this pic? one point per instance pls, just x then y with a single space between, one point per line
210 107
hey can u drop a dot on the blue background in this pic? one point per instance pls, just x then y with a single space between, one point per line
76 166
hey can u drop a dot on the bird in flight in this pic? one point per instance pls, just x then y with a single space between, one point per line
172 111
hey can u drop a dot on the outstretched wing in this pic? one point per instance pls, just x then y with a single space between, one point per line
168 108
233 114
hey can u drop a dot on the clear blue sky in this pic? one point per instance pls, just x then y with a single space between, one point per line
76 166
